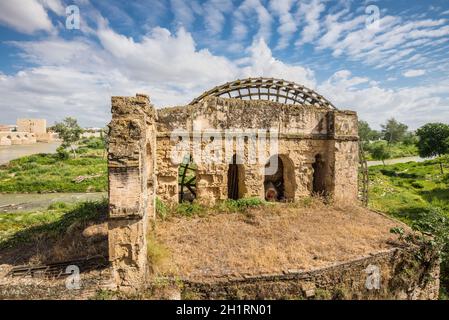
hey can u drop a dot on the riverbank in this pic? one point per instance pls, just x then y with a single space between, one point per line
9 153
20 202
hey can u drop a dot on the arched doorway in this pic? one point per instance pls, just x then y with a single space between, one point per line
279 182
236 178
187 180
318 180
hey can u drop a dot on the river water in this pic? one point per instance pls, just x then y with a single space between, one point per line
35 201
8 153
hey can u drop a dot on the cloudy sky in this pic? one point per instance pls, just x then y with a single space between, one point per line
381 58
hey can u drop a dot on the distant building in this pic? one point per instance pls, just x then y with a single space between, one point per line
37 126
92 132
7 128
27 131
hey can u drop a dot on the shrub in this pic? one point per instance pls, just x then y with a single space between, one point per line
62 153
161 209
241 204
417 185
190 209
157 254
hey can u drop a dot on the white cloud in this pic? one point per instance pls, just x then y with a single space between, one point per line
185 11
54 5
414 73
244 13
287 24
26 16
311 12
412 105
214 15
261 62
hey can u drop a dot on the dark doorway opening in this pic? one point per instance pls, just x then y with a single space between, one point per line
274 182
233 179
319 185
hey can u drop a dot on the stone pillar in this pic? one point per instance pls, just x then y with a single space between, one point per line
131 165
343 129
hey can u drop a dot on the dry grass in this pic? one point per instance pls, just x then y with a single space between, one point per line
272 239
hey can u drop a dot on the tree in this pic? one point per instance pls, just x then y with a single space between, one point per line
366 133
70 133
410 139
433 141
393 131
380 151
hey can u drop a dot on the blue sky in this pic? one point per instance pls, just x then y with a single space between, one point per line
394 64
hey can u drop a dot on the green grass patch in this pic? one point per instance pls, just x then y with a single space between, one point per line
44 173
413 192
190 209
396 150
16 228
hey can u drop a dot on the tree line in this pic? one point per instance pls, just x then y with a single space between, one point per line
430 140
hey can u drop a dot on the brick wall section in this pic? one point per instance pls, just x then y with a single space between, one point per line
131 188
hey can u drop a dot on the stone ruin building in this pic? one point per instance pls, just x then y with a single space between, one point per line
317 152
29 131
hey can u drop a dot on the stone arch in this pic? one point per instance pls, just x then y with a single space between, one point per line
236 179
280 180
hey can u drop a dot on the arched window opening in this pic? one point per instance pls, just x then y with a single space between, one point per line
187 180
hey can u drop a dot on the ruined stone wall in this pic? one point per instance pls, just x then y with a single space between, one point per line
302 131
131 187
346 154
401 277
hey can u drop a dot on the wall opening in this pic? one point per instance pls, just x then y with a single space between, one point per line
236 179
318 180
187 180
279 182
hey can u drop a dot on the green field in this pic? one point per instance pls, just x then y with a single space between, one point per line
26 227
396 150
45 173
418 194
408 190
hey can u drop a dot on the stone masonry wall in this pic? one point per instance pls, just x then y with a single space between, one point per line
303 132
131 188
393 274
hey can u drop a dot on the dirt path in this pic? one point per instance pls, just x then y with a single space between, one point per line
397 160
8 153
28 202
